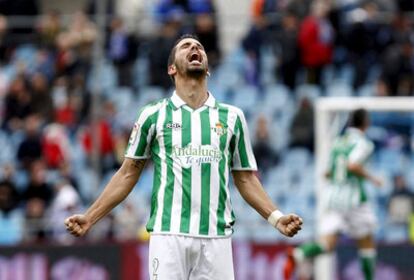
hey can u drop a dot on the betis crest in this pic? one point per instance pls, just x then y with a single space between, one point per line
219 129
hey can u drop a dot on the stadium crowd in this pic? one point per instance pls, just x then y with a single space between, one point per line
51 135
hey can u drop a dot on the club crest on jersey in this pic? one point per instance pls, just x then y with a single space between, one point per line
134 133
173 125
219 129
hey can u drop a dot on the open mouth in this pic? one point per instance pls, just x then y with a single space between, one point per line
195 58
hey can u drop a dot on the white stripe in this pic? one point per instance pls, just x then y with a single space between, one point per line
177 195
195 175
161 191
247 144
150 133
214 176
146 112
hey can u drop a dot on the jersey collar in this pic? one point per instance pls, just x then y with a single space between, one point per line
178 102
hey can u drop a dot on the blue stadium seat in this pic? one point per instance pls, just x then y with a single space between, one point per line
245 97
339 89
297 158
88 181
8 150
312 92
366 90
103 78
11 227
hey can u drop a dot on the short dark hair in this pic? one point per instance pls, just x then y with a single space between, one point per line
358 118
171 57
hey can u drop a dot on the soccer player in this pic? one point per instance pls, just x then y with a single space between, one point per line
194 142
348 210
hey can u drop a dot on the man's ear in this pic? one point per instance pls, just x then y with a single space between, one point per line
172 70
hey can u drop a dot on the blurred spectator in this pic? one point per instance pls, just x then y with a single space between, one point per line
253 43
67 59
11 220
381 88
56 148
49 28
398 68
66 202
105 141
41 100
207 33
81 100
37 197
159 50
38 186
287 45
17 104
65 172
265 155
82 33
401 202
67 114
365 40
9 197
302 127
30 149
316 41
122 50
45 64
127 222
3 40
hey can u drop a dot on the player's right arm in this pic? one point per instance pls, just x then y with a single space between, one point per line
114 193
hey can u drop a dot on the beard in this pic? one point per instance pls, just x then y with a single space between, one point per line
196 72
192 72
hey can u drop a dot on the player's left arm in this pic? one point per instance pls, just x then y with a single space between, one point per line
356 160
254 194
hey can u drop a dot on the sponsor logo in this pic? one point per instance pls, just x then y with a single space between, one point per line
134 134
219 129
172 125
196 155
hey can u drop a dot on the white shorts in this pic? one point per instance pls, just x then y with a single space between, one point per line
177 257
357 222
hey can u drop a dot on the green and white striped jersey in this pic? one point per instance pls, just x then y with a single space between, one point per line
347 188
193 152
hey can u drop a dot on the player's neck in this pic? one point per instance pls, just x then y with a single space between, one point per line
193 92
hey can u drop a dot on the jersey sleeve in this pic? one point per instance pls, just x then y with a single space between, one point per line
361 152
141 136
242 157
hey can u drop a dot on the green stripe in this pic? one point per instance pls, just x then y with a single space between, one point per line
221 223
169 187
155 149
142 144
205 173
244 160
186 174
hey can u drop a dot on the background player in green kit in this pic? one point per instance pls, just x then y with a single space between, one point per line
194 142
348 210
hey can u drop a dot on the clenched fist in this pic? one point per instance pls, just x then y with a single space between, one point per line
77 225
289 224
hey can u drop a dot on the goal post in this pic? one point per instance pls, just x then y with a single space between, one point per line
329 120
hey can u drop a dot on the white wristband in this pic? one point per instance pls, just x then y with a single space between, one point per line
274 217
